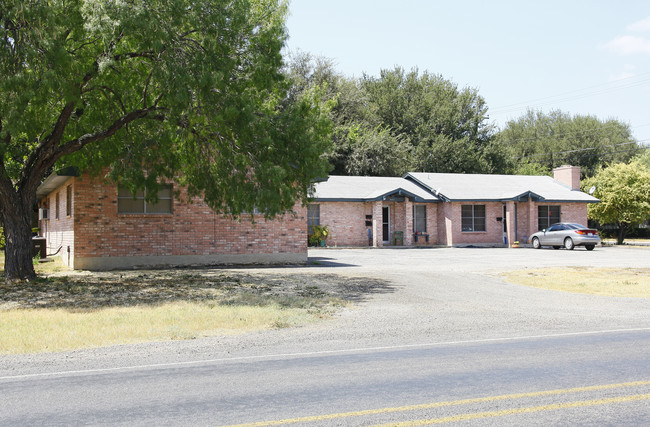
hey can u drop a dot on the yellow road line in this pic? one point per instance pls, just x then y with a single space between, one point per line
525 410
443 404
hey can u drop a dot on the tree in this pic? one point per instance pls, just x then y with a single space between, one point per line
184 89
624 193
556 139
375 152
349 104
445 125
644 158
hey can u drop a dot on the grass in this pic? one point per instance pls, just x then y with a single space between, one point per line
67 310
613 282
47 330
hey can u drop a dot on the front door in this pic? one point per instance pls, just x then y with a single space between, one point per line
385 224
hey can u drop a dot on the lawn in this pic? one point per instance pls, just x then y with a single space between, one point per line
615 282
66 310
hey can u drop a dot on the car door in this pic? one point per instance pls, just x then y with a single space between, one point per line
553 235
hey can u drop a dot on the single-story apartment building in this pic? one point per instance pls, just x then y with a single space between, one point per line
94 225
446 209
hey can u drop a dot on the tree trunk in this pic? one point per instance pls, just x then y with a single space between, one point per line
18 243
622 228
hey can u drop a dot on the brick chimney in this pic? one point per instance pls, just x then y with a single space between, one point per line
568 175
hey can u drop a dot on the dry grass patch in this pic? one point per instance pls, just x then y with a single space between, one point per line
71 310
615 282
43 330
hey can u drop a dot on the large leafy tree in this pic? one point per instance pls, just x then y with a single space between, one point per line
557 138
402 121
151 89
445 125
624 193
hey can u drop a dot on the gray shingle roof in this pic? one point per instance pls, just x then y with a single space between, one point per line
478 187
369 188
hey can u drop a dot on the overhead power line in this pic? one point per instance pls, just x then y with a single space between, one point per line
586 154
576 133
599 89
578 150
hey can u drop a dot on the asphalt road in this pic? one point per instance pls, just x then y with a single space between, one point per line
599 378
447 340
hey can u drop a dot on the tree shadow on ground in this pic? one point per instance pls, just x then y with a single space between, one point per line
95 291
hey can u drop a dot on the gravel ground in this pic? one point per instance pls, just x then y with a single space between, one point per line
402 297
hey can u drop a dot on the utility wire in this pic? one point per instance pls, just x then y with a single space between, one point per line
627 83
559 154
580 149
576 133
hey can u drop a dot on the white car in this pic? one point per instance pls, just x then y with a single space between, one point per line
566 234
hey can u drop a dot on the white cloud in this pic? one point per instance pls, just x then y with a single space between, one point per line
627 45
641 26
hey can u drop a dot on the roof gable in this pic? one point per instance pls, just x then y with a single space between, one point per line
369 188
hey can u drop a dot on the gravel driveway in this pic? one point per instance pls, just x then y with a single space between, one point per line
432 295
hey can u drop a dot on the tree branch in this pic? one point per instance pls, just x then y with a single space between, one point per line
146 89
78 143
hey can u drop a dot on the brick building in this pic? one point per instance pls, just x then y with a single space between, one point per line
95 226
446 209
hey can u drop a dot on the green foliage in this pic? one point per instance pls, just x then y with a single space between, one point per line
318 235
192 90
180 87
445 125
624 193
375 152
401 121
556 139
2 238
644 158
528 168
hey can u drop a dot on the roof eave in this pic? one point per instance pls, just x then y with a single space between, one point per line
55 180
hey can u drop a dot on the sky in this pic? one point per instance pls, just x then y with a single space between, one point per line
581 57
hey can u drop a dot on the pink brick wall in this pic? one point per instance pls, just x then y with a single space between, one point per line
347 221
59 232
493 229
449 222
192 229
574 212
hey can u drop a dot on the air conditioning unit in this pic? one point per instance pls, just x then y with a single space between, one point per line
42 213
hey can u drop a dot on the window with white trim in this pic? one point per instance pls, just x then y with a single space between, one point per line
547 216
473 218
420 219
130 203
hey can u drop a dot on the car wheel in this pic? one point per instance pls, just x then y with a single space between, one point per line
568 243
536 243
557 247
590 247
